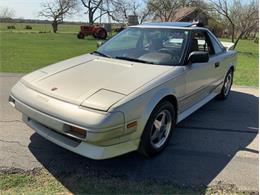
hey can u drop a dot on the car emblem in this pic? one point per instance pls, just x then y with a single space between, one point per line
54 88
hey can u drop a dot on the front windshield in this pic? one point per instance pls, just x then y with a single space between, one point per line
150 45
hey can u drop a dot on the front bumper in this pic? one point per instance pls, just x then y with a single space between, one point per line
81 147
50 118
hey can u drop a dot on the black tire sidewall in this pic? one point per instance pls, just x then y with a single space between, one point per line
145 146
102 34
80 35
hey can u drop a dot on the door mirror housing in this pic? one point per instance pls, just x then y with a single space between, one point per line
99 43
198 57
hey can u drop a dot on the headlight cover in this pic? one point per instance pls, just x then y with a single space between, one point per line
102 100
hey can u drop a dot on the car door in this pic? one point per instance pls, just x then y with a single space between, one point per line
199 76
219 58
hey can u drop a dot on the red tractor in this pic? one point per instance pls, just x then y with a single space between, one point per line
96 31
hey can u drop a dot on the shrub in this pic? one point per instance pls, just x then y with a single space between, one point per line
28 27
11 27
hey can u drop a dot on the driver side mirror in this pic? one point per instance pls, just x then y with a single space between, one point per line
198 57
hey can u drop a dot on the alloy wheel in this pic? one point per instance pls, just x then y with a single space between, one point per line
161 128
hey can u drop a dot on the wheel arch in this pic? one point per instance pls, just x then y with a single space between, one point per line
162 95
171 97
173 100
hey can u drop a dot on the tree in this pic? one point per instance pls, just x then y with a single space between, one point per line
6 12
242 18
163 10
166 9
92 7
121 9
57 10
193 3
222 8
246 18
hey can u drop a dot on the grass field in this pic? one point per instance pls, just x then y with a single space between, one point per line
42 182
248 63
20 27
25 52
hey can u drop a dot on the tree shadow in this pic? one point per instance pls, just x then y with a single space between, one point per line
201 147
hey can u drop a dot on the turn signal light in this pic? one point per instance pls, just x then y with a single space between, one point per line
11 101
132 125
81 133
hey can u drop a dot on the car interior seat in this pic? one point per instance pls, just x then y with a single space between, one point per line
194 45
155 44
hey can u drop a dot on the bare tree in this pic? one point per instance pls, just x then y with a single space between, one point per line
57 10
242 18
121 9
144 14
246 18
193 3
222 8
6 12
163 10
93 6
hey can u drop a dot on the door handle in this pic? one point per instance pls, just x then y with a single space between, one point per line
216 64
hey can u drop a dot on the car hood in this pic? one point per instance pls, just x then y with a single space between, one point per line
79 79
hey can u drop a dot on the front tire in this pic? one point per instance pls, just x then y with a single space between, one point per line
80 35
226 86
158 129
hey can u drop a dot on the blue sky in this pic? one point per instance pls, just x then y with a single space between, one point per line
28 9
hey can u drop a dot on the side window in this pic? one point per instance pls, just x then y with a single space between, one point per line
200 42
217 48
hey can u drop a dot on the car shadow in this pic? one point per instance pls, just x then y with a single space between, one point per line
201 147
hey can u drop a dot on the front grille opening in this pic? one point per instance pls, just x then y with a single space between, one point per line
74 141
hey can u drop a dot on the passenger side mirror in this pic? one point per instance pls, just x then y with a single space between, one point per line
198 57
99 43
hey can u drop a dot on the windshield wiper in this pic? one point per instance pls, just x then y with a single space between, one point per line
133 59
101 54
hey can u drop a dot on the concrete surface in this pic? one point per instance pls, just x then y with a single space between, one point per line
217 144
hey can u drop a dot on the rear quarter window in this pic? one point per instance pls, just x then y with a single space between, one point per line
217 48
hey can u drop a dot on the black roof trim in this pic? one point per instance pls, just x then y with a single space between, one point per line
174 24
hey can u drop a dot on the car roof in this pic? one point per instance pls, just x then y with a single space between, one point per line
186 25
170 24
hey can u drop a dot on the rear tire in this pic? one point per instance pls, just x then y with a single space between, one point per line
226 86
158 129
102 34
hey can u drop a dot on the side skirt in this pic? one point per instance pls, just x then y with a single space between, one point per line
195 107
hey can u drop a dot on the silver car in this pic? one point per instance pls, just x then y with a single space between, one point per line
130 93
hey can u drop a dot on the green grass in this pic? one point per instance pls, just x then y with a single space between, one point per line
20 27
42 182
29 183
248 63
25 52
